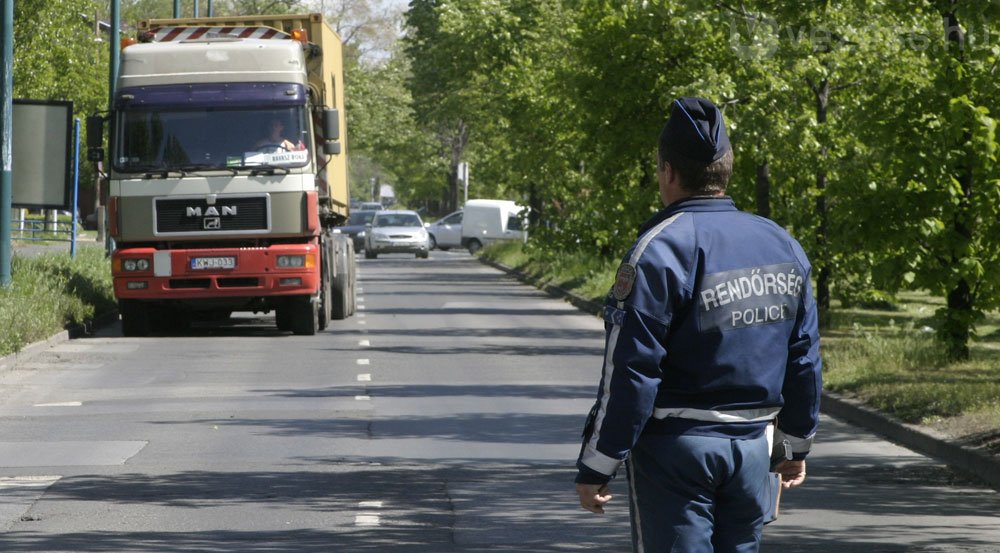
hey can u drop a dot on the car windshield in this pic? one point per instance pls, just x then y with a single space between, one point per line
162 140
397 220
360 217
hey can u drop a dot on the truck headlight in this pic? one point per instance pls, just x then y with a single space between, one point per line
135 265
289 261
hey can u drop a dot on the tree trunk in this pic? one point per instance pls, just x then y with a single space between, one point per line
959 317
823 256
764 189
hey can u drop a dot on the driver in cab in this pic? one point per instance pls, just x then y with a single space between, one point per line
275 138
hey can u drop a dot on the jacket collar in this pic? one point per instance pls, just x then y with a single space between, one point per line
691 203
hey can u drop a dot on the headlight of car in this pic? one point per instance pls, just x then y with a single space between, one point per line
361 234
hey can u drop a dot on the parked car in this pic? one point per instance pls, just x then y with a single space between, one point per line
396 231
374 206
446 233
355 227
486 221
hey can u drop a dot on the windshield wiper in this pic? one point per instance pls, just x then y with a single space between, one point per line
265 168
150 171
206 167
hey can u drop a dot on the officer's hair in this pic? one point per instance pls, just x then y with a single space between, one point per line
698 177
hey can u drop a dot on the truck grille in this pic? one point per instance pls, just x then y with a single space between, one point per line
194 215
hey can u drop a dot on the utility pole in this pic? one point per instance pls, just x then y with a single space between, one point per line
113 62
6 135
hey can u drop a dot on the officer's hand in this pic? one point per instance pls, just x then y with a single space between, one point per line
593 497
793 473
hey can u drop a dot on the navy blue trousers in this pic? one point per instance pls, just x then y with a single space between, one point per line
696 494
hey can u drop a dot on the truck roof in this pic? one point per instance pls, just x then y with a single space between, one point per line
212 61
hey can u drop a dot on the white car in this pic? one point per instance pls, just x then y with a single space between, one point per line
396 231
446 232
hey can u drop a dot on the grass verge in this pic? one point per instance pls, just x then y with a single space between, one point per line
51 292
888 358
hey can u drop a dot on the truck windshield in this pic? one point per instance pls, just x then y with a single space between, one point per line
211 139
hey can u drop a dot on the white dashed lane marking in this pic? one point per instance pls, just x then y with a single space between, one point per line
364 377
364 362
60 404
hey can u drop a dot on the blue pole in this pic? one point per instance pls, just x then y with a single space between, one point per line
76 188
195 8
6 134
177 9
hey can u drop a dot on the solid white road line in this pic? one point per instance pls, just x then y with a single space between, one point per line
366 520
27 481
60 404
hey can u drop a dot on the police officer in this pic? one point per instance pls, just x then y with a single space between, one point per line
711 338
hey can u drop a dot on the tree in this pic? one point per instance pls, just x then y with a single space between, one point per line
59 55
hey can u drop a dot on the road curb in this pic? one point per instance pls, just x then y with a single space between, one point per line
27 352
976 462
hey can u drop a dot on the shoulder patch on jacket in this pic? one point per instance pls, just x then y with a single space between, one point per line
624 281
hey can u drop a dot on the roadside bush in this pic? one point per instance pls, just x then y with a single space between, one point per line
51 292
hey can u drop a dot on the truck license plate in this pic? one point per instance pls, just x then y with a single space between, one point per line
199 263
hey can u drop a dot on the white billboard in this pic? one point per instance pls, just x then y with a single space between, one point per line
42 149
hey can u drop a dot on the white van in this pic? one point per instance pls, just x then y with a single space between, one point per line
485 221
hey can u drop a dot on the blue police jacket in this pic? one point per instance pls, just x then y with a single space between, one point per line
712 330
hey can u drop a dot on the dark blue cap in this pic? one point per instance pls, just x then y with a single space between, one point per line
695 130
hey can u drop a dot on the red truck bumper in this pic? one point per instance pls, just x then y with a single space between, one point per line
191 274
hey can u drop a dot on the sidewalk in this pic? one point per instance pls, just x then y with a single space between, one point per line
30 249
976 463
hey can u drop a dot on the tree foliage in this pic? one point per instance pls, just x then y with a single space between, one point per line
867 127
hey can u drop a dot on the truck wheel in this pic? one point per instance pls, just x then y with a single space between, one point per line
135 318
305 315
370 254
352 283
474 246
341 287
283 317
325 310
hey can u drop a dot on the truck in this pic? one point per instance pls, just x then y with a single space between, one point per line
487 221
227 177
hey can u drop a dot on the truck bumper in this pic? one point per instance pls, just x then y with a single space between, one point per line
217 273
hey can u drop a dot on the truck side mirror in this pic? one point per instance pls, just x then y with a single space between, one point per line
331 124
95 138
331 148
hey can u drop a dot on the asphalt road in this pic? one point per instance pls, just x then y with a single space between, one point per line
443 418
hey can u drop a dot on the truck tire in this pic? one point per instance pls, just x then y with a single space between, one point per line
352 291
324 311
341 289
474 246
325 299
304 314
283 317
370 254
135 318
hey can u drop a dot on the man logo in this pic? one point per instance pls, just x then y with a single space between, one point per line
212 211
